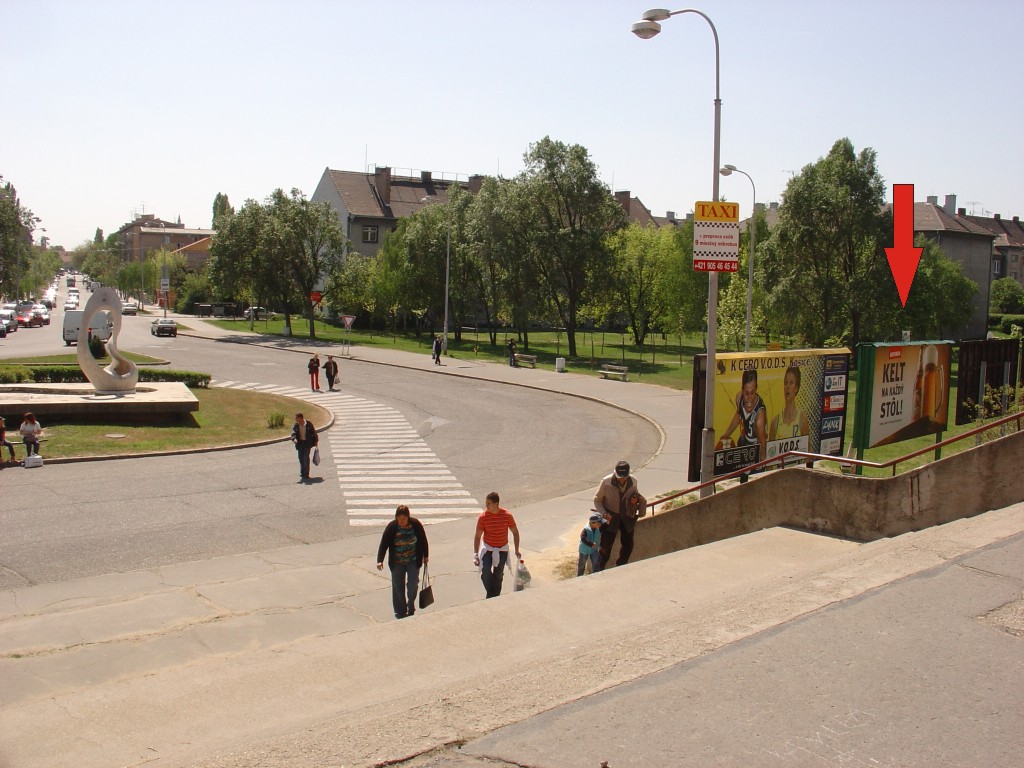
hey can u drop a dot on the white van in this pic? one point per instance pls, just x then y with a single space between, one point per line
101 326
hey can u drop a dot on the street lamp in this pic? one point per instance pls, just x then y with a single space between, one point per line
726 171
447 270
645 30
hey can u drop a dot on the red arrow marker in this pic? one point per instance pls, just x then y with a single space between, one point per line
903 256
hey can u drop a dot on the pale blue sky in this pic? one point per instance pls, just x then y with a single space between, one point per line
112 105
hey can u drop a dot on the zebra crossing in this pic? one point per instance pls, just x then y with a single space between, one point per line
380 461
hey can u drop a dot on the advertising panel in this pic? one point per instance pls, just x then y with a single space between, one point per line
903 391
716 236
768 403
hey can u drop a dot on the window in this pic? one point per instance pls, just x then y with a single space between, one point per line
997 267
369 233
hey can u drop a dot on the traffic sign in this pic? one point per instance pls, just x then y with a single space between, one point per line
348 320
315 297
716 237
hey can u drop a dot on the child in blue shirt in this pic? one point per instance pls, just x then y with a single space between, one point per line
590 541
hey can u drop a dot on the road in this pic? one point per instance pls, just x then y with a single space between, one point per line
89 519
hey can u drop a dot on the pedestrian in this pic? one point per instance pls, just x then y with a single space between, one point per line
491 554
331 372
619 499
313 366
436 350
512 353
4 441
305 438
405 541
590 542
30 430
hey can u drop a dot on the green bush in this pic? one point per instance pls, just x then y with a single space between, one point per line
14 374
275 420
72 374
1006 322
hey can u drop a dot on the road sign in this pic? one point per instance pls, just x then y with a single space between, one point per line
315 297
165 284
716 237
348 320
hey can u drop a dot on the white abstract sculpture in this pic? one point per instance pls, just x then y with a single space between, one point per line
121 375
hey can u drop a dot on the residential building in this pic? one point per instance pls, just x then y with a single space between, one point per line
148 233
966 243
1008 248
196 253
370 204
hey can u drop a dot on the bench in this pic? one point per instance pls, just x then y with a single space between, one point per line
614 371
530 360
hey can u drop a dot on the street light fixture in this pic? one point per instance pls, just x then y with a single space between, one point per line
447 270
645 30
726 171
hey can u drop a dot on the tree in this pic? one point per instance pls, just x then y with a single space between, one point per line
1006 296
17 224
824 259
685 289
221 207
571 212
98 237
641 257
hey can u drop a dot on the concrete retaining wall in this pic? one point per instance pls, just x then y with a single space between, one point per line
864 509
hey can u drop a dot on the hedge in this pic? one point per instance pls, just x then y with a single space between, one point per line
72 374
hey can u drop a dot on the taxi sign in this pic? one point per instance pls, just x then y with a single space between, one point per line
716 236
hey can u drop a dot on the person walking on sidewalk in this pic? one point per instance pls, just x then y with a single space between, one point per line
590 543
305 438
313 366
405 541
436 348
490 544
619 499
331 372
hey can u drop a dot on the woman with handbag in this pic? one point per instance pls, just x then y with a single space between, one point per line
405 541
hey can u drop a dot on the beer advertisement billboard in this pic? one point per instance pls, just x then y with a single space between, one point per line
769 403
902 391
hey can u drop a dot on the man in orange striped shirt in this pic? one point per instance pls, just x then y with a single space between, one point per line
491 555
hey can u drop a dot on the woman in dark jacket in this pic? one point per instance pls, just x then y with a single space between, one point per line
405 541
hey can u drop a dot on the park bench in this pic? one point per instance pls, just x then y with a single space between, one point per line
614 371
530 360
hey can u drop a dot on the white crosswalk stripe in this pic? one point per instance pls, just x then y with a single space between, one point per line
380 461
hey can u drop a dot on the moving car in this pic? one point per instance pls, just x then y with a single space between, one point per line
29 318
164 326
9 318
129 309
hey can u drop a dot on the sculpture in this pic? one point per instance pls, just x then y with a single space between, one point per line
121 375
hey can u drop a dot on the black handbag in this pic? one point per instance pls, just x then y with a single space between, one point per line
426 590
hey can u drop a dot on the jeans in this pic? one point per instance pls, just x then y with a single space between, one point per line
31 446
405 585
492 579
303 451
595 563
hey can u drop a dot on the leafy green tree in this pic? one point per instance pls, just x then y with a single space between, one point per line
241 267
17 223
350 288
1006 296
685 289
641 258
98 237
221 207
940 298
572 213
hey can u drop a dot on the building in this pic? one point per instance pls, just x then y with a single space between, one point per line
370 204
147 233
968 244
196 253
1008 248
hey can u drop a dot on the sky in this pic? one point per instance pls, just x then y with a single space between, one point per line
112 108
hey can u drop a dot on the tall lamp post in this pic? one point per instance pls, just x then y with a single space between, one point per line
447 270
645 30
726 171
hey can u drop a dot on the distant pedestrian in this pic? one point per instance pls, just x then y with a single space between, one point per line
590 542
437 348
490 544
305 438
405 541
617 497
331 372
313 366
3 439
512 353
30 431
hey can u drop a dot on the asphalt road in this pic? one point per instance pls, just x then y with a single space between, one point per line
75 520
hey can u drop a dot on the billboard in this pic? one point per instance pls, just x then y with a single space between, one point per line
768 403
902 391
716 236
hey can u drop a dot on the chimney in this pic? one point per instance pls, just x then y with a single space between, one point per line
1016 219
773 206
996 216
932 199
622 198
961 211
950 205
476 183
382 183
670 215
425 177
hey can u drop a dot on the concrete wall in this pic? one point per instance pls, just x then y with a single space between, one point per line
863 509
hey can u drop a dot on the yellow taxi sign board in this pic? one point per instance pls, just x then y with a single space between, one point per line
716 236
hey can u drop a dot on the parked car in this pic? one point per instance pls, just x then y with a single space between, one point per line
164 326
3 331
129 309
261 313
29 318
9 318
43 312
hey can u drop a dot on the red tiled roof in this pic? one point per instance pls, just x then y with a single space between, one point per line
1007 231
932 218
362 199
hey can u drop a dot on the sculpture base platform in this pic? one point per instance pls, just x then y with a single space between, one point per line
83 401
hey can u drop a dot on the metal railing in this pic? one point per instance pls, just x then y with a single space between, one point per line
810 458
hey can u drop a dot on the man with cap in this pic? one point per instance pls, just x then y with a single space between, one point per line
618 499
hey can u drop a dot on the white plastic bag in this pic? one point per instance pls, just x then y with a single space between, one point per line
522 577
